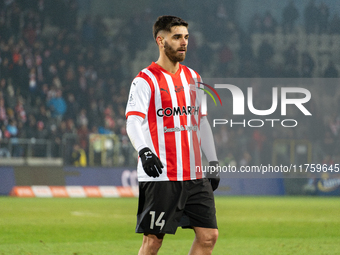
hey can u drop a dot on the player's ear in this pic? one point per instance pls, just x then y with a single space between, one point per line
160 40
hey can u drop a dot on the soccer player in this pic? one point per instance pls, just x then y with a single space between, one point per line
166 126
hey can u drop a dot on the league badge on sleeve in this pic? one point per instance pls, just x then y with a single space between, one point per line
132 101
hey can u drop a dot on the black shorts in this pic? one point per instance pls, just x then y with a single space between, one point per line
165 205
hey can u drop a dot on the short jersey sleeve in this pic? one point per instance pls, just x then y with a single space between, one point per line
139 98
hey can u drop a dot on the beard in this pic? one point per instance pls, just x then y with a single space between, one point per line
173 54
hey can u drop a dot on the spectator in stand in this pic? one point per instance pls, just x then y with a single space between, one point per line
291 56
5 63
258 140
125 142
255 25
291 62
40 150
10 96
225 56
30 34
12 128
246 159
69 80
55 136
83 137
20 110
33 83
94 114
246 51
101 30
88 31
3 112
323 21
308 65
31 127
289 16
60 12
311 16
246 58
43 115
3 85
78 156
70 127
72 107
331 71
4 132
334 126
109 118
334 26
328 160
13 132
269 24
265 56
62 127
21 78
71 15
57 106
15 18
328 145
82 119
265 52
41 10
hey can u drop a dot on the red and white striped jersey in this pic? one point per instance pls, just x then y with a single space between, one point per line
170 105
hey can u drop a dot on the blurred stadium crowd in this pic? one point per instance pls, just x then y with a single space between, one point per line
65 74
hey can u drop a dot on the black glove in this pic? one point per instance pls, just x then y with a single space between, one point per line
213 175
151 163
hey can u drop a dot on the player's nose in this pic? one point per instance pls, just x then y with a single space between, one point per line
184 42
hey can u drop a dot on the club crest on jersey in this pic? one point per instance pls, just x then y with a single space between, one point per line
185 110
179 88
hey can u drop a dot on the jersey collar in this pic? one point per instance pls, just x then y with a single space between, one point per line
165 71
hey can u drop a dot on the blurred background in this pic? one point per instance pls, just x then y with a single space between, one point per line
66 67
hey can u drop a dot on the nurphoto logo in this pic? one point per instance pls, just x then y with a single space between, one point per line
295 96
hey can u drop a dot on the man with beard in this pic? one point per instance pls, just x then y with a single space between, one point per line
164 124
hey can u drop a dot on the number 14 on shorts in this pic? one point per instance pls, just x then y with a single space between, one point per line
159 222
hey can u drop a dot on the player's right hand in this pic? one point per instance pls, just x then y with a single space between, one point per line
151 163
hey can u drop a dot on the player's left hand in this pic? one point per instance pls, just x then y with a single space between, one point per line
214 176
